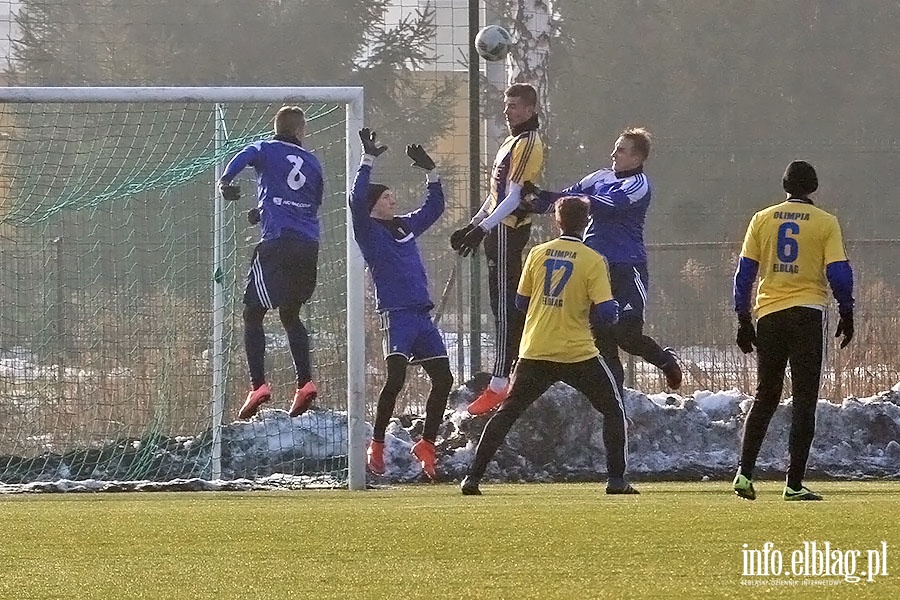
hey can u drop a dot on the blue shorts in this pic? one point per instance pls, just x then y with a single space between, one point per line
629 288
282 272
413 334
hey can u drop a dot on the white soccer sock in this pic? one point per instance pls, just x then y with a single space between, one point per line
499 384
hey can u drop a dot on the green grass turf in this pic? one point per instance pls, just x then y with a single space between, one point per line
676 540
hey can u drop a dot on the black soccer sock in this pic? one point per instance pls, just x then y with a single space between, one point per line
298 340
396 368
438 370
255 344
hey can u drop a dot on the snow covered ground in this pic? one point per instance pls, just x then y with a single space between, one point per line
558 439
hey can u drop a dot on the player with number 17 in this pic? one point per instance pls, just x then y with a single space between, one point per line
289 183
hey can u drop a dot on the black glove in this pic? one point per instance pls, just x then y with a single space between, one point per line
529 189
253 216
230 191
845 328
419 157
528 195
471 240
746 334
370 146
456 238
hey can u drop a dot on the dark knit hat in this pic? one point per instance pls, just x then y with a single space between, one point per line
375 192
800 179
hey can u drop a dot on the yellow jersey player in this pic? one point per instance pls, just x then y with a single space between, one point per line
505 234
564 286
797 251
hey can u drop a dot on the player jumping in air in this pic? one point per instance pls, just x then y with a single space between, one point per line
519 159
283 268
388 245
620 197
796 249
564 287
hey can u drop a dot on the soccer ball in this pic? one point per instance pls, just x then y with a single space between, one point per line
493 42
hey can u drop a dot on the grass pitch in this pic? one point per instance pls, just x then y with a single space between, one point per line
676 540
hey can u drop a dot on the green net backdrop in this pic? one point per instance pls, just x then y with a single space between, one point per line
106 220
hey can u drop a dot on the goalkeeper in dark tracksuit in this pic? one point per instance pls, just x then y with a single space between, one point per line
505 231
796 250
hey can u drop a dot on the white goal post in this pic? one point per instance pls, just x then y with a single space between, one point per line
352 98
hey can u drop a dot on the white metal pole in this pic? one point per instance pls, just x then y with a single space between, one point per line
356 328
218 305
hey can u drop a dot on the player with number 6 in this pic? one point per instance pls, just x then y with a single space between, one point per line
794 247
283 269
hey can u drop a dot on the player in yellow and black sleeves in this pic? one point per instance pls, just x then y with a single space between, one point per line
797 251
564 286
505 231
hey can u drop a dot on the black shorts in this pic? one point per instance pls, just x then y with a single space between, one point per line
282 272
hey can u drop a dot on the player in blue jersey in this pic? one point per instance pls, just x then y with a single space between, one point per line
283 268
797 250
402 300
620 197
564 287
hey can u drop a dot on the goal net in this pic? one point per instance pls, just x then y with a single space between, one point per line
121 279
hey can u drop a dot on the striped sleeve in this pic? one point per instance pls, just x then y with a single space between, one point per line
527 158
631 190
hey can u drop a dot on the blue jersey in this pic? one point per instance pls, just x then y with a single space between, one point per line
619 203
289 184
389 247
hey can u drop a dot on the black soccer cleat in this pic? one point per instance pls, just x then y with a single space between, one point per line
621 487
469 487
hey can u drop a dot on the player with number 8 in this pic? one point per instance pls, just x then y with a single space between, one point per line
285 262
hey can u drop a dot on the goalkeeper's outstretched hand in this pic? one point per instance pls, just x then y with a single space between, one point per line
370 146
419 157
457 237
471 241
230 191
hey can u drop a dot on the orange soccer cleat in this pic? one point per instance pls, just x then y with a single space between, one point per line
486 402
254 399
423 450
303 397
375 457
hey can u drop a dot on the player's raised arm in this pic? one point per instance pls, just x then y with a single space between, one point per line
360 206
424 217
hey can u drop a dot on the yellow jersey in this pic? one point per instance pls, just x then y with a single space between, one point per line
562 278
793 242
519 159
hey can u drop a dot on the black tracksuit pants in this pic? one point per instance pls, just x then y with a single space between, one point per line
796 336
531 379
503 248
